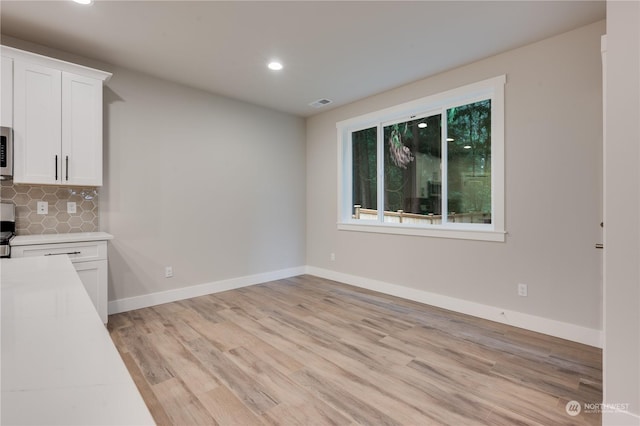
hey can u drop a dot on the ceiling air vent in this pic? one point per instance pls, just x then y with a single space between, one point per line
320 103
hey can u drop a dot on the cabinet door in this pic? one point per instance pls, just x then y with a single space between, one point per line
81 130
94 278
36 124
6 92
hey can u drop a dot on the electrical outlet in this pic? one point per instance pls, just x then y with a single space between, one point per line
43 207
71 207
332 257
522 290
168 272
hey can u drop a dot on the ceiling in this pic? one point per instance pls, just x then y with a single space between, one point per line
339 50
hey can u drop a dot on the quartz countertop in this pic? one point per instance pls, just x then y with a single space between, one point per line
73 237
59 365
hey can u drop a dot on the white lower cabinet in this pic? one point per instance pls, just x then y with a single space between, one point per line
94 278
88 258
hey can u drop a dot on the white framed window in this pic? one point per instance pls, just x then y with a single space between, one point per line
430 167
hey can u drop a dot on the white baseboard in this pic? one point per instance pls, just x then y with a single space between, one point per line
563 330
551 327
146 300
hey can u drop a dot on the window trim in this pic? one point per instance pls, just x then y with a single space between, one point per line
492 88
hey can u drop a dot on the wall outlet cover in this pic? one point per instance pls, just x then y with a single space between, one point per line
71 207
43 207
522 290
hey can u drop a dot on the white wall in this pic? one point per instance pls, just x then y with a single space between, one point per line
208 185
553 185
622 213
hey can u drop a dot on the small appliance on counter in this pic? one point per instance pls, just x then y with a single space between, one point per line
6 153
7 227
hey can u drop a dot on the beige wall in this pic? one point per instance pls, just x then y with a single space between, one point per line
210 186
553 183
622 213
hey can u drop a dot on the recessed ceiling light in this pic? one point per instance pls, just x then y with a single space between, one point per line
83 1
467 147
450 139
274 66
422 125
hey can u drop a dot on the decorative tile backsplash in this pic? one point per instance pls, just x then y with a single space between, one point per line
57 220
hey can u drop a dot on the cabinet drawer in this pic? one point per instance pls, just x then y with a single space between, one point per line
77 252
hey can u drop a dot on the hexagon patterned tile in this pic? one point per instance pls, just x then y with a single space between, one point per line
57 220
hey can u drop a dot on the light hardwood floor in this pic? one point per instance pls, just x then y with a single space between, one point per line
308 351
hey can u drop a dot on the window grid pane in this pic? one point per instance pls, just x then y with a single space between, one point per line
412 171
469 163
364 147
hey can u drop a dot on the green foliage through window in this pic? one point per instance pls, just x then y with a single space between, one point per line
469 160
413 166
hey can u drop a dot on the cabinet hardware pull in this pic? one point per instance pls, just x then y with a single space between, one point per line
599 246
56 167
58 254
67 168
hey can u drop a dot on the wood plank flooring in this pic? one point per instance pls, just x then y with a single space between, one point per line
308 351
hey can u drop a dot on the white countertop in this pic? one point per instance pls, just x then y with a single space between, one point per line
59 365
73 237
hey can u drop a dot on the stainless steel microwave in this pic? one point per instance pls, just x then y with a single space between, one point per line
6 153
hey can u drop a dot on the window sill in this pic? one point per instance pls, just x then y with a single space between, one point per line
458 232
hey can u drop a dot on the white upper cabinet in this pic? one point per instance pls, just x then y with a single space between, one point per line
6 92
81 122
57 121
36 124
